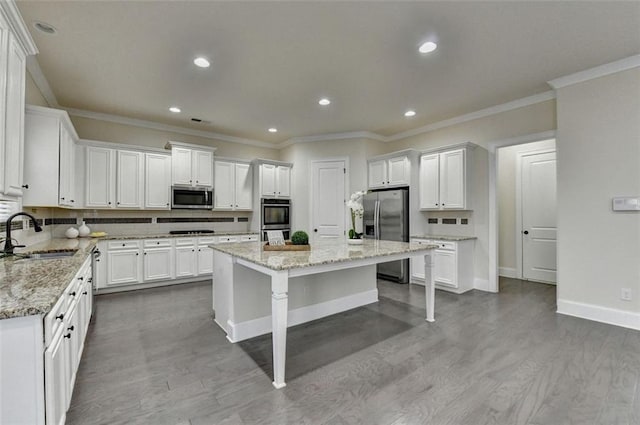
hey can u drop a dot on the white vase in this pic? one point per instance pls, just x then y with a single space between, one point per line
83 231
71 233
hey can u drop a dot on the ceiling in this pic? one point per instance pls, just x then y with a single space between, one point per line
272 61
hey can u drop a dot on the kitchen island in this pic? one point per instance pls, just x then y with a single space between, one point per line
257 292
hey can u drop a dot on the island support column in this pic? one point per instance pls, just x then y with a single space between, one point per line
429 286
279 306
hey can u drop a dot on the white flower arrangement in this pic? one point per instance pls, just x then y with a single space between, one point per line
357 210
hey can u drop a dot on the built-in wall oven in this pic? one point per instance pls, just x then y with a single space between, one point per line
275 215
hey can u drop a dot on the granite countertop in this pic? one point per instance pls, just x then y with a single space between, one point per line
167 235
326 252
445 237
31 287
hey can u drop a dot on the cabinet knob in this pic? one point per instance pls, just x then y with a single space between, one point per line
62 199
236 205
230 205
118 202
145 253
60 316
67 336
137 253
81 278
70 328
109 203
73 200
25 186
526 232
73 294
167 204
123 244
85 293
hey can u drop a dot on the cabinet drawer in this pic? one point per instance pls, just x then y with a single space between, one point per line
249 238
155 243
227 239
54 320
421 241
206 241
185 241
123 244
449 246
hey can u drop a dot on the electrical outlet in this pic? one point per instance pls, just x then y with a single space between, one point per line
625 294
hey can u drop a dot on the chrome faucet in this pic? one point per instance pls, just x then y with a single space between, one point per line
8 244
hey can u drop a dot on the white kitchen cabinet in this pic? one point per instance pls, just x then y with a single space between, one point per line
191 165
186 260
158 262
389 172
157 181
275 180
50 159
205 259
55 366
124 266
100 176
453 265
129 179
71 338
233 185
443 181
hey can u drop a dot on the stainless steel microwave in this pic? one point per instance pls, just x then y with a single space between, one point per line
196 198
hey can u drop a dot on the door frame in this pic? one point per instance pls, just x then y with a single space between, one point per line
346 188
492 285
519 239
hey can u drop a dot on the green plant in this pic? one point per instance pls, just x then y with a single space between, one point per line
300 238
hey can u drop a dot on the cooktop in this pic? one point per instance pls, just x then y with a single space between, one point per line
189 232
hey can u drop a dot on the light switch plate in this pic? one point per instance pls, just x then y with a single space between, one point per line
626 203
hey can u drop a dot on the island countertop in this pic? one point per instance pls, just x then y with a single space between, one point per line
32 287
325 252
445 237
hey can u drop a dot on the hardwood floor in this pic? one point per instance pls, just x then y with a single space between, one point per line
156 357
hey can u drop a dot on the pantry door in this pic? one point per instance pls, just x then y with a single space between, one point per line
538 195
328 195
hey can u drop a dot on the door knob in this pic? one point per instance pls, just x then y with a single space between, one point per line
315 230
526 232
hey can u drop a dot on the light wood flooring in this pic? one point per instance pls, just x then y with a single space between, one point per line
156 357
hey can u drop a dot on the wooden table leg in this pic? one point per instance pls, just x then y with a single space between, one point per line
429 287
279 305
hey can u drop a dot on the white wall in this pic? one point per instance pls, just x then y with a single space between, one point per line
506 189
598 150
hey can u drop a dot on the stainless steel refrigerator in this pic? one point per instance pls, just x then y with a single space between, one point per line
386 217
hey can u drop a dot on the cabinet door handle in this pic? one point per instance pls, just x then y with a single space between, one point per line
73 294
67 336
70 328
60 316
25 186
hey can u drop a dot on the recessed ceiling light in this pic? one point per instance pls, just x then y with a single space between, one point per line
44 27
201 62
428 47
175 109
273 130
410 113
324 101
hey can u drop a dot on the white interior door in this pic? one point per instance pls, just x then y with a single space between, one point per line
328 199
539 217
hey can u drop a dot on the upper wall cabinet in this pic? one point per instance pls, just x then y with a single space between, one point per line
274 179
389 172
50 161
157 178
233 185
15 45
191 165
444 181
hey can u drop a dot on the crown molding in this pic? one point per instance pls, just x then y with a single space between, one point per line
118 119
333 136
596 72
482 113
18 26
33 66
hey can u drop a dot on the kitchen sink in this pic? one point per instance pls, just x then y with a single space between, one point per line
50 255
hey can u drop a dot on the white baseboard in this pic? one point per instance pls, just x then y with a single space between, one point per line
507 272
612 316
481 284
262 325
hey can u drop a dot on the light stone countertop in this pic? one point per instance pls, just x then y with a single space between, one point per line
326 252
31 287
111 237
445 237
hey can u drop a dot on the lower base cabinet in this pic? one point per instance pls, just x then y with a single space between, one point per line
453 265
41 354
132 264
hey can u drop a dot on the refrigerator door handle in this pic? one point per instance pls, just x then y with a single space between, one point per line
377 219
